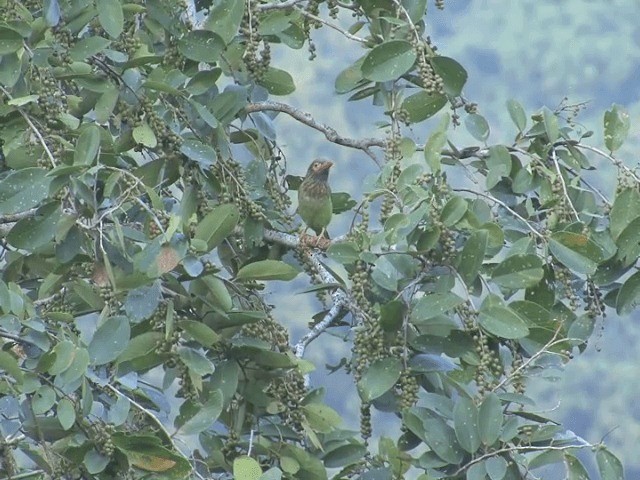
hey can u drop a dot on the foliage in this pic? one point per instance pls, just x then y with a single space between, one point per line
144 203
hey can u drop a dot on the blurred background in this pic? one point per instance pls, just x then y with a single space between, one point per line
537 52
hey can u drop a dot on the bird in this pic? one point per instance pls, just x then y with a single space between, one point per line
314 197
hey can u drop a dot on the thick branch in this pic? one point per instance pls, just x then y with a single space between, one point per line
278 6
364 144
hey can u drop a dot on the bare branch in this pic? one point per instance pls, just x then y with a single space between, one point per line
278 6
612 159
554 157
11 218
364 144
332 25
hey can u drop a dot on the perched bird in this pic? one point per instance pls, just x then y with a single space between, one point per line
314 197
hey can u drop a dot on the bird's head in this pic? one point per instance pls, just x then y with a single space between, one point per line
319 169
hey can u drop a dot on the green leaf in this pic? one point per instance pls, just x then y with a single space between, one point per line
516 112
322 418
350 78
246 468
109 340
477 126
277 82
35 232
146 453
629 243
141 302
550 125
496 467
140 345
217 225
267 270
576 252
201 46
144 135
78 366
625 209
388 61
87 146
423 105
9 364
111 17
87 47
205 416
465 421
106 103
609 466
342 202
344 252
434 304
224 18
453 211
381 375
629 295
10 41
23 189
472 256
575 469
195 361
616 127
498 319
95 462
434 145
518 271
66 413
499 164
227 104
490 419
200 332
10 69
345 455
453 75
198 152
392 315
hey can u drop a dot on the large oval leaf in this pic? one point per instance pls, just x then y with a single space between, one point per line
110 340
465 421
23 189
388 61
518 271
500 320
379 378
267 270
576 252
423 105
217 225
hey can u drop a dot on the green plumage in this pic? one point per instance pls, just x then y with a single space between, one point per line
314 197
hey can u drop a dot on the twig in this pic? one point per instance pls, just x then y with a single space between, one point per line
554 157
364 144
11 218
331 25
615 161
15 338
278 6
505 206
33 128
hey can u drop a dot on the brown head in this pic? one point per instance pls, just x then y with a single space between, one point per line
319 169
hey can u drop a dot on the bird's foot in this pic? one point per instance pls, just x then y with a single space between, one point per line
312 241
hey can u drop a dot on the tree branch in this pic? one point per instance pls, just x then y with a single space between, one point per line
330 134
278 6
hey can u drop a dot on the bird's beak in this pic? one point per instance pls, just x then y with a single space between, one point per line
326 166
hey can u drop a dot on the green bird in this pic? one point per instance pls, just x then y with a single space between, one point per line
314 197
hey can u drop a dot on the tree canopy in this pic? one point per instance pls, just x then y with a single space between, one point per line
146 206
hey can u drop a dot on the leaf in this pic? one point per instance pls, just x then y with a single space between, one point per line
77 368
66 413
499 163
500 320
516 112
142 302
195 361
144 135
109 340
342 202
198 152
575 469
453 75
350 78
106 103
388 61
609 466
625 209
246 468
629 295
428 363
88 47
434 304
381 375
518 271
277 81
490 418
205 416
576 251
217 225
9 364
423 105
496 467
616 127
345 455
33 233
87 146
51 10
267 270
201 46
465 420
322 418
453 211
629 243
472 256
95 462
23 189
550 125
10 69
111 17
10 40
140 345
434 145
477 127
227 104
344 252
224 18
